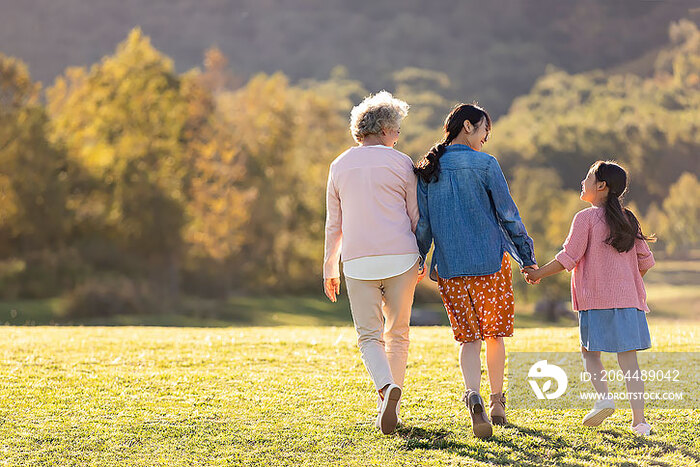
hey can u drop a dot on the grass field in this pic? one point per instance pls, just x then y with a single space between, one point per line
288 396
279 381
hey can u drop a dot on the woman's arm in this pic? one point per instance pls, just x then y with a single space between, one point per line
412 200
424 234
508 214
333 241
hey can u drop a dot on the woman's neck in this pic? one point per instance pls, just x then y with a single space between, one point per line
461 139
372 140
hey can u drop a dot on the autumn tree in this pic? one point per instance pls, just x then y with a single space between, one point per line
288 137
33 185
123 122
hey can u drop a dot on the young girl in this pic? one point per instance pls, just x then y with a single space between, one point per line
608 255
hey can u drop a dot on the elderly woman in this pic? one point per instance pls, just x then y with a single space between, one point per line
371 213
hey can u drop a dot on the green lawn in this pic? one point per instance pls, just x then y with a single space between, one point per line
130 396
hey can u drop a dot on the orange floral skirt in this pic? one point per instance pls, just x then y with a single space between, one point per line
480 306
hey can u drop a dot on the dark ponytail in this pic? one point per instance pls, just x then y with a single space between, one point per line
428 167
624 226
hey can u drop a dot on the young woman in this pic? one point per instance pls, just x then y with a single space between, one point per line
467 211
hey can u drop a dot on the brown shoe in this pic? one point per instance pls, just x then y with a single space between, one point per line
498 409
480 422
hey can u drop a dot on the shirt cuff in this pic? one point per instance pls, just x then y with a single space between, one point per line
646 263
565 260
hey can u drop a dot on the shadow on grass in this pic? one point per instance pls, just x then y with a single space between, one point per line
648 443
495 450
421 438
529 447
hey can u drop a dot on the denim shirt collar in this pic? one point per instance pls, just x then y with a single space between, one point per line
458 147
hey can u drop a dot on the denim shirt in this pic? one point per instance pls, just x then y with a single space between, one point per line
470 216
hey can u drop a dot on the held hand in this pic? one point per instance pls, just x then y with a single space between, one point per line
332 288
531 274
422 272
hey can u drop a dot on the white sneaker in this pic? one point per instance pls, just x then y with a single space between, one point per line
388 417
399 422
642 429
602 409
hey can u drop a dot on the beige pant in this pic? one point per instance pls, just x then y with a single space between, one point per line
381 311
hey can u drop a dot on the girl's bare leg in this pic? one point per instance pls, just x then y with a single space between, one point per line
635 384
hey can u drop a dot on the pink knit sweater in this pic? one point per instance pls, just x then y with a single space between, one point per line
603 277
371 206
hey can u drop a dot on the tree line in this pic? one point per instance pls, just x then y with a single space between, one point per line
127 178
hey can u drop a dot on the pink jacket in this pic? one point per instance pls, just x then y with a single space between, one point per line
371 206
603 277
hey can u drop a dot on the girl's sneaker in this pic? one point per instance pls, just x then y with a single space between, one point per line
642 429
399 422
602 409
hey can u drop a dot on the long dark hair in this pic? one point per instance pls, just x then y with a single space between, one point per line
624 226
428 167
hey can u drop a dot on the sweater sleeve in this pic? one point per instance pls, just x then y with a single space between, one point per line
645 257
334 233
576 243
412 200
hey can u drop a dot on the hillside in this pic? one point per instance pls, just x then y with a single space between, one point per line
492 51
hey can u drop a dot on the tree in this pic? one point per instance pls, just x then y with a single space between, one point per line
123 122
288 136
216 76
423 90
682 210
33 181
547 211
649 124
218 203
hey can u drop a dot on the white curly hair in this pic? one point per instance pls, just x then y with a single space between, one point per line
376 113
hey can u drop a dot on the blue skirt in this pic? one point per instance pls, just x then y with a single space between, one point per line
614 330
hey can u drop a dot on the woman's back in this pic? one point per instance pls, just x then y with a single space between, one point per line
374 188
472 217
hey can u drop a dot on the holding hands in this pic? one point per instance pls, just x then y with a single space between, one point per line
532 274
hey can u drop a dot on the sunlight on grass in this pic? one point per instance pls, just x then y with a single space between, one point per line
287 396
